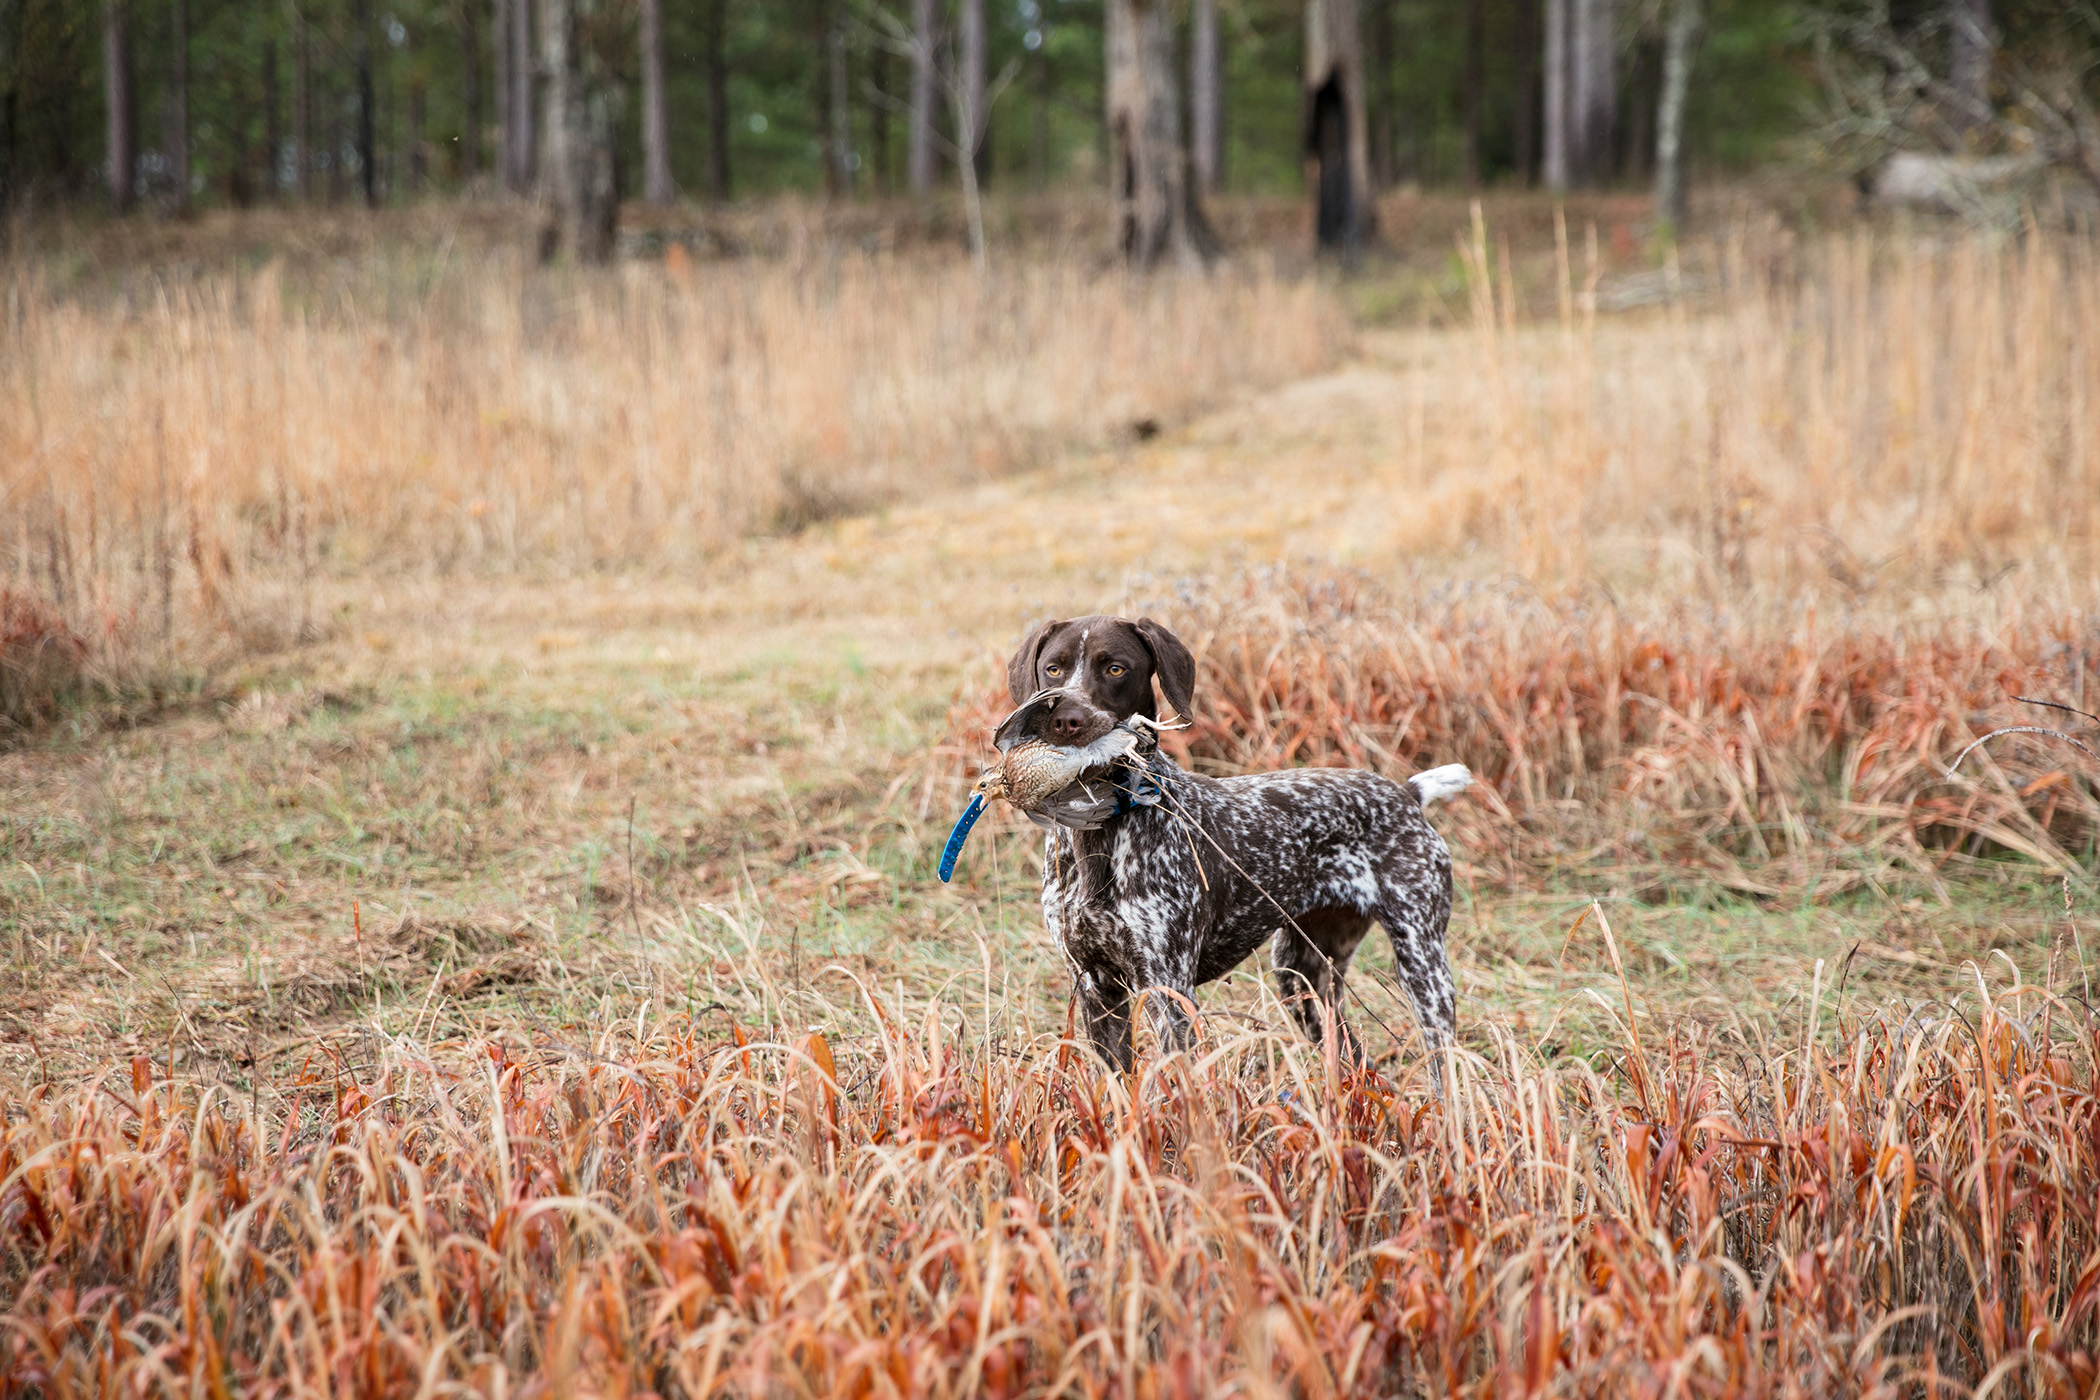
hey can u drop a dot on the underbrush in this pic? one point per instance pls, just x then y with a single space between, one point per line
41 660
1884 1202
1643 745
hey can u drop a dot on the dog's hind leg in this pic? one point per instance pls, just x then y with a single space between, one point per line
1416 929
1309 962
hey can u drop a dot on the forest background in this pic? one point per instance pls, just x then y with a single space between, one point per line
233 102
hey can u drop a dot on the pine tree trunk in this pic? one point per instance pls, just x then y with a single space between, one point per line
1206 97
119 126
558 171
656 122
1158 213
367 162
1594 101
1335 143
1554 162
578 157
524 148
919 157
1972 47
499 46
717 62
175 108
970 55
1669 116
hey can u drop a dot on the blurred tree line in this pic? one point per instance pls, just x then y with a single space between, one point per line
338 99
171 103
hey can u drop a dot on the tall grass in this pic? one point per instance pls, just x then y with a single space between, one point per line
173 462
1875 1204
1846 414
1652 740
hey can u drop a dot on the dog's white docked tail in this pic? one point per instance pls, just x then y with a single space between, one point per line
1436 784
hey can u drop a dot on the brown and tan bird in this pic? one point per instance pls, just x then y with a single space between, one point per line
1031 771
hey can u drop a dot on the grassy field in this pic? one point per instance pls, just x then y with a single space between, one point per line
498 948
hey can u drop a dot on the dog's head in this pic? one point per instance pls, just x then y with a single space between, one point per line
1103 669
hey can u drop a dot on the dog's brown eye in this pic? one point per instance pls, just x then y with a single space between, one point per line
1053 670
1115 668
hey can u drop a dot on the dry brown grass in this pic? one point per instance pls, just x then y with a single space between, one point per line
1870 1205
1650 745
1851 414
1851 417
179 464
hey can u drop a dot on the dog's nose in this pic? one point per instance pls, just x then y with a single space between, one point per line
1065 726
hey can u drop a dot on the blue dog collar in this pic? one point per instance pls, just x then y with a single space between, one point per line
953 849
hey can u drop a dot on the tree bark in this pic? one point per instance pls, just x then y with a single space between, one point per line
1471 79
656 121
1345 217
919 156
367 164
1594 100
579 158
1554 162
970 58
175 107
524 148
120 127
499 45
1158 213
1206 97
717 60
1973 47
1669 116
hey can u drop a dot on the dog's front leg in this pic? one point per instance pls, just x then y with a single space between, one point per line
1159 905
1104 1010
1167 1013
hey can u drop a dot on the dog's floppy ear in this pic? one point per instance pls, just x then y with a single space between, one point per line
1020 667
1173 665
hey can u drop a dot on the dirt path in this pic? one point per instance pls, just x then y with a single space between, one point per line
1306 471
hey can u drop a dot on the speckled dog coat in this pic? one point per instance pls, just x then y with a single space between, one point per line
1166 897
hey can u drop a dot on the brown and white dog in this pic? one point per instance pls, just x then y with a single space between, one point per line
1165 897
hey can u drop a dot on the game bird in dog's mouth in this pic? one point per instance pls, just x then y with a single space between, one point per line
1054 784
1156 879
